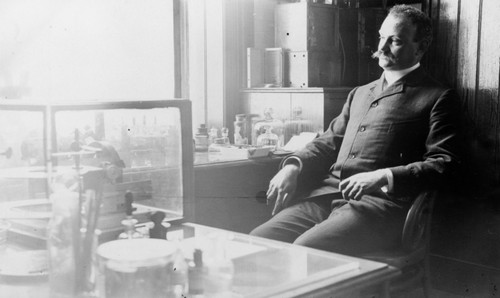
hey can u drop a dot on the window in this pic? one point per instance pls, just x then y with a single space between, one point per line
206 61
86 50
217 36
74 50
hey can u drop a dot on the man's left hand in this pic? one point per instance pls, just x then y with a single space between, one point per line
354 187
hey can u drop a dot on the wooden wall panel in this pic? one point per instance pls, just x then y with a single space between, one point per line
467 54
467 57
369 22
445 50
487 113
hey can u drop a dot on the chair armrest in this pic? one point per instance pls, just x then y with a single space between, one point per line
416 229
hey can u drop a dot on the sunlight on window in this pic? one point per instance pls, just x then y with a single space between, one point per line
206 60
86 50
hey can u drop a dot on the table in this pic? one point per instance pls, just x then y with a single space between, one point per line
269 268
263 268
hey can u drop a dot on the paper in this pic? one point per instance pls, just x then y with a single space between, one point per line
300 141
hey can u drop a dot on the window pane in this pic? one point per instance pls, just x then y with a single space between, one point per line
206 61
86 49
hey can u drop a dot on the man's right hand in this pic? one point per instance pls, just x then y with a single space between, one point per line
283 186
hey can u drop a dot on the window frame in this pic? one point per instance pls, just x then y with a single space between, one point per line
219 88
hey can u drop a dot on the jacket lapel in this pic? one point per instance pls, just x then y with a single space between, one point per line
376 88
398 87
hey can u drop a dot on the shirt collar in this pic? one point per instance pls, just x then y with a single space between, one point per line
392 76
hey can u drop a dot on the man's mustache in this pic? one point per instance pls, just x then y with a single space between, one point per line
378 54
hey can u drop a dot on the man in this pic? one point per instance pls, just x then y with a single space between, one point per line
350 189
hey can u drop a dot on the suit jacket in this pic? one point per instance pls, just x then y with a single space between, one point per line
410 128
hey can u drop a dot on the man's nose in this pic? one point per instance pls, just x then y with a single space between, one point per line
383 45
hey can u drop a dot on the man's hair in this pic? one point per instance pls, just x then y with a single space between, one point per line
418 18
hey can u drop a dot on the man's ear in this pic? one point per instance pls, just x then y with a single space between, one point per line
422 47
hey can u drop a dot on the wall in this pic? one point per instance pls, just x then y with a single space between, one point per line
465 54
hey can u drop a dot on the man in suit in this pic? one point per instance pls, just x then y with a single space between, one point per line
350 189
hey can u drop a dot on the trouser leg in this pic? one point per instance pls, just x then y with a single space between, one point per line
293 221
357 227
333 224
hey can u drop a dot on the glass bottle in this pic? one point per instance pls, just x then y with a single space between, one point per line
276 126
196 273
297 124
240 130
129 230
213 135
219 280
225 136
201 139
252 119
179 277
268 138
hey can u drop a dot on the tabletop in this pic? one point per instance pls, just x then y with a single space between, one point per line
269 268
262 267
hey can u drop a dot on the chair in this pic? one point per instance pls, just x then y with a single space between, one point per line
412 257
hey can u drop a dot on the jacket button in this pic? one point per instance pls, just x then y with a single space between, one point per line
374 104
362 128
353 156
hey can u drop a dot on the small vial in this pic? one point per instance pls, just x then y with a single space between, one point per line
213 135
225 135
196 273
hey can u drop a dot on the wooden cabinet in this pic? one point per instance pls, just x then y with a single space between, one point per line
231 195
309 35
320 105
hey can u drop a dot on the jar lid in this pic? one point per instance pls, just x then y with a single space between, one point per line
136 252
203 129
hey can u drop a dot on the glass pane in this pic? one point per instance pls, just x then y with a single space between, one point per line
22 160
139 150
77 50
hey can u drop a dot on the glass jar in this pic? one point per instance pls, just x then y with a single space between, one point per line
213 135
137 267
297 124
63 233
240 130
268 138
252 119
276 127
201 139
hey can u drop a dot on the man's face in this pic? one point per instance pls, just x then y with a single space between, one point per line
397 48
